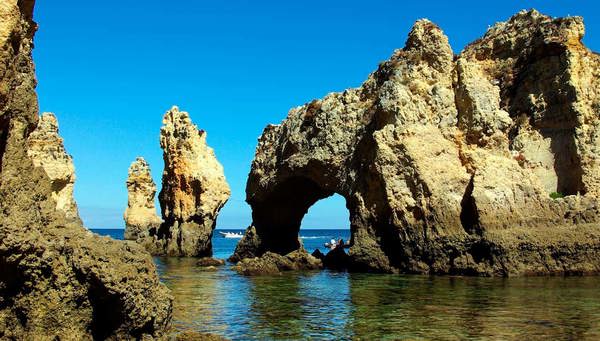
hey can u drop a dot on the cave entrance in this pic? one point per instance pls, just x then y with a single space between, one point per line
280 216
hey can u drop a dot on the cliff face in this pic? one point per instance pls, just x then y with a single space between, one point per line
140 216
45 148
448 164
193 188
58 280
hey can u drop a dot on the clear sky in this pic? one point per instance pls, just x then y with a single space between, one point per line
110 69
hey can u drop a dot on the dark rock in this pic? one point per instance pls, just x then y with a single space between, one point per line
318 254
336 259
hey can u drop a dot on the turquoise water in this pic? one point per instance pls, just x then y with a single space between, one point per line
331 305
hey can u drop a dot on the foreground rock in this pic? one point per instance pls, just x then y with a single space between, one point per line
271 263
141 220
58 280
448 164
45 148
193 188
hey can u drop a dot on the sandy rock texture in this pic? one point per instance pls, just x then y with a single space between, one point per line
45 148
193 191
58 280
448 164
141 220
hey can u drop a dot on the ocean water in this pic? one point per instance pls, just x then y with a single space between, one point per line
339 306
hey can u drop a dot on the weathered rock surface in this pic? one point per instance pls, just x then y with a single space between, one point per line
447 163
45 148
193 189
271 263
141 220
58 280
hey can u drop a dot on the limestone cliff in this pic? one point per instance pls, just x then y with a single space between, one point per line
448 164
140 215
58 280
193 188
45 148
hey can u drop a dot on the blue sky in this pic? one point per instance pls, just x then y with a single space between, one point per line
110 69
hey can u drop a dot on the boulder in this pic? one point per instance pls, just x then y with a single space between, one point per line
271 263
58 280
448 164
209 261
193 191
336 259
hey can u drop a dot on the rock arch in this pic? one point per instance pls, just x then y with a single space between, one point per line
447 162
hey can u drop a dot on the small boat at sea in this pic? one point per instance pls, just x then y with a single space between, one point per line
231 234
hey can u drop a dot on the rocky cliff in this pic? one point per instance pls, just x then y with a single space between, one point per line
482 163
193 188
45 148
141 220
58 280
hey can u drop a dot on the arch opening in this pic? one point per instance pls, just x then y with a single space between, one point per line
279 218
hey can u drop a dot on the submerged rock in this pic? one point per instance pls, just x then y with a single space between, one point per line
193 188
271 263
141 220
58 280
448 164
46 150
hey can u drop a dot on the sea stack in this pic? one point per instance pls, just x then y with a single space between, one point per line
45 148
485 163
141 220
193 187
57 279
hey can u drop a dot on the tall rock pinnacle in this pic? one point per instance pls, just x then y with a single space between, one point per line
45 148
140 216
193 187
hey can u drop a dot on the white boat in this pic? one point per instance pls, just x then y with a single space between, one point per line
231 234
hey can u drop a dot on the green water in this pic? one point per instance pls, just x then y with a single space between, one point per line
329 305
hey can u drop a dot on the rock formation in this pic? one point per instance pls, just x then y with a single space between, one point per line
193 189
45 148
58 280
140 216
448 164
271 263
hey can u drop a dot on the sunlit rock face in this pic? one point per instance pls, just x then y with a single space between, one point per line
140 216
448 163
58 280
45 148
193 188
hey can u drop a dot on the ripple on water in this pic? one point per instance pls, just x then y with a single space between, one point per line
330 305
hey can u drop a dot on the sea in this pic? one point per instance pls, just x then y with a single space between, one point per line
329 305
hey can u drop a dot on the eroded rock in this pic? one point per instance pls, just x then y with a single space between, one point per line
46 149
447 164
271 263
58 280
193 188
141 220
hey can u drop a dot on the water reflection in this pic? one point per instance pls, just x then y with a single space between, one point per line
329 305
